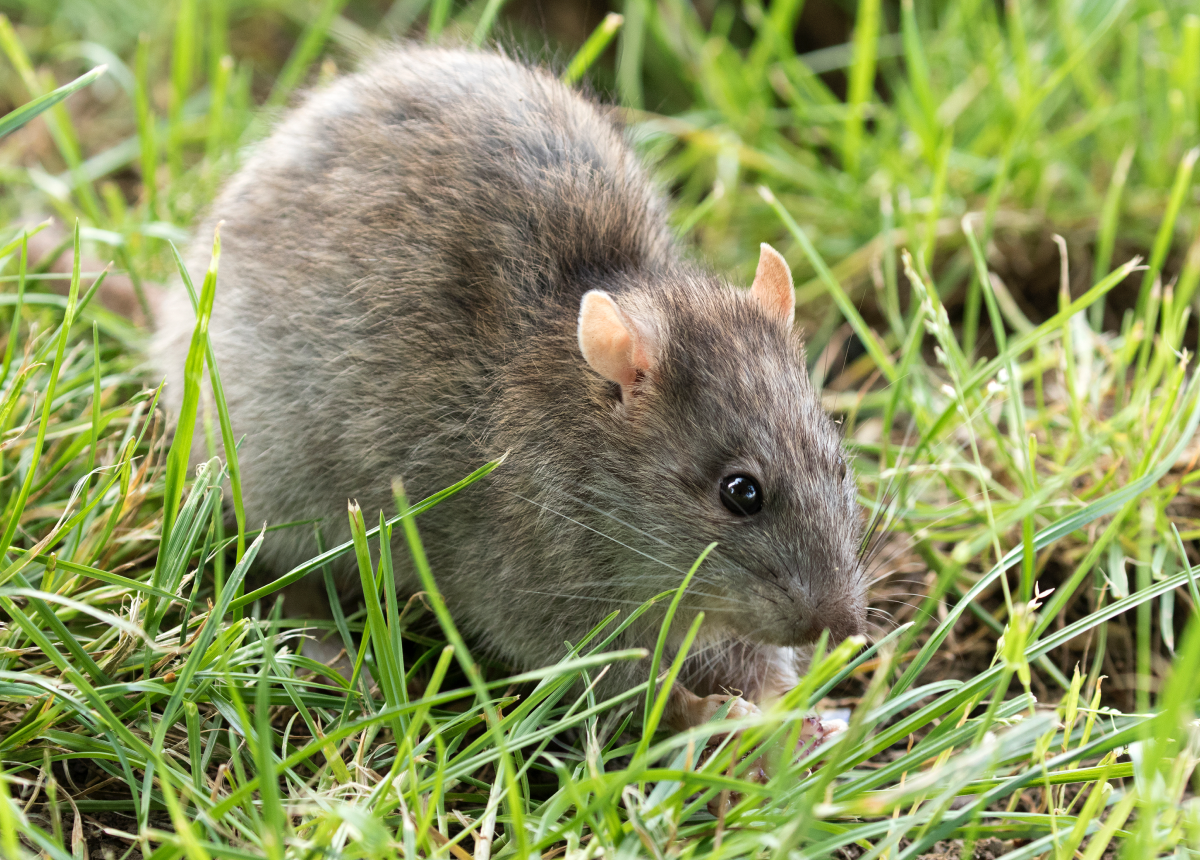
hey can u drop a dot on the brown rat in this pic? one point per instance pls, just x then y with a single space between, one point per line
450 256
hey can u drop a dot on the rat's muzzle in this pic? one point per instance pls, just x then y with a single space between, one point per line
842 620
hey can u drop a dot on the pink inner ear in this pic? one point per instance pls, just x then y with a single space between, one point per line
773 285
606 339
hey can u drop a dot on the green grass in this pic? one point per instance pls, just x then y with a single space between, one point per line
1023 411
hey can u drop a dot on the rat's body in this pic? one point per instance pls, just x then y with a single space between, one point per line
403 265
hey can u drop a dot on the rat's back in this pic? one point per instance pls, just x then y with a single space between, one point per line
384 252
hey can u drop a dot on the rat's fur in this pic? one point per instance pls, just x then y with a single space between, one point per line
402 267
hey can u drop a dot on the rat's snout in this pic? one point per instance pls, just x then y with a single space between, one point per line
841 618
813 604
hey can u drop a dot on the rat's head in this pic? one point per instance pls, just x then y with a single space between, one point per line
725 440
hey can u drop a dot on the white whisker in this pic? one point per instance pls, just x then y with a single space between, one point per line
548 509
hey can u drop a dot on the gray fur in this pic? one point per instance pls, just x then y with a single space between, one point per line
403 262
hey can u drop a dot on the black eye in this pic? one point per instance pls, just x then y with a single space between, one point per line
741 494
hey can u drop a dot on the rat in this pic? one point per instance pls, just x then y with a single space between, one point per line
451 256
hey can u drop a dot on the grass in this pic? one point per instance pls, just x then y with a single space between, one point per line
994 228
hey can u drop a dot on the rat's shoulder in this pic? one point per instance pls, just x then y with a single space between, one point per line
481 110
448 70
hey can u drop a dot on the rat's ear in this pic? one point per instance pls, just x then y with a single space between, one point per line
773 285
611 342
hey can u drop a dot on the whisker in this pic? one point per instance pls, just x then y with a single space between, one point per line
884 505
579 597
911 606
551 510
572 595
613 517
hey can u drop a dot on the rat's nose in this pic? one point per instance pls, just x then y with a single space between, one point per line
842 620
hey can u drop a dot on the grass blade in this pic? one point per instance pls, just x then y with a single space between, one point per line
13 120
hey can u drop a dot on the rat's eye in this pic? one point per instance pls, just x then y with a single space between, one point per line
741 494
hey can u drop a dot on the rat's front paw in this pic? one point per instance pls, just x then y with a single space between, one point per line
739 708
686 710
815 731
703 710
